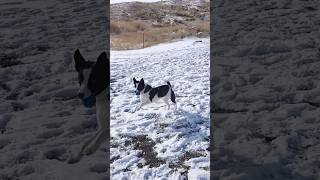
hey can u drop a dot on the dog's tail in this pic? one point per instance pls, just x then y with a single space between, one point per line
173 96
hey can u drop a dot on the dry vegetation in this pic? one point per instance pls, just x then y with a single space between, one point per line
154 23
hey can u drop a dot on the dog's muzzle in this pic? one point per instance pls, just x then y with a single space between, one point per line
137 93
89 101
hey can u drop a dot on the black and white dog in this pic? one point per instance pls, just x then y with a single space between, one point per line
94 78
149 94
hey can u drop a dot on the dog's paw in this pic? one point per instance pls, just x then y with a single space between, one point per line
90 149
74 154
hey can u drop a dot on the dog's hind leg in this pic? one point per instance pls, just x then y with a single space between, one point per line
167 103
173 99
140 106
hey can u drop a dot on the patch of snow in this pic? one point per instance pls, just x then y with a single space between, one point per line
171 133
198 174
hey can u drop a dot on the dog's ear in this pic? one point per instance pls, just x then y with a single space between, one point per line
141 85
135 81
103 60
100 74
80 62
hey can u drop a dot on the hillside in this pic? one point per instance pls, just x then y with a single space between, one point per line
133 23
41 119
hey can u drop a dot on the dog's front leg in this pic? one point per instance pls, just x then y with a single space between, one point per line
77 153
102 118
175 106
91 145
168 105
142 103
102 115
100 137
138 107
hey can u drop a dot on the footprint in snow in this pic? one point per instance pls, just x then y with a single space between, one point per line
59 154
50 134
125 110
53 125
99 168
23 157
152 115
26 170
4 143
84 127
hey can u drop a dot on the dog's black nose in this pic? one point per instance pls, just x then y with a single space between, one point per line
80 95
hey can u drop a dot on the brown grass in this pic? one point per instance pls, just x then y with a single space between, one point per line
119 27
127 29
131 37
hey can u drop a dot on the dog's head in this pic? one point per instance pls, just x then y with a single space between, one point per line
138 85
135 82
93 77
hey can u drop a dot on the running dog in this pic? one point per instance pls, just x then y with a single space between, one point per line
93 80
149 94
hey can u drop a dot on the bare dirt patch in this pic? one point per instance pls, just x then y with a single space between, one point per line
143 143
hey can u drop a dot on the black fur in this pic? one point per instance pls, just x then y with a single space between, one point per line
161 91
152 93
141 85
99 78
100 75
148 88
80 62
173 97
135 82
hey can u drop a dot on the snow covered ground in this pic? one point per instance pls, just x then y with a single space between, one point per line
266 89
155 143
40 117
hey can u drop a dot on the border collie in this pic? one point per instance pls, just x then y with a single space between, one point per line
93 80
149 94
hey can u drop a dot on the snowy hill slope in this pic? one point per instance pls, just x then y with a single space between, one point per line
154 142
266 89
40 117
